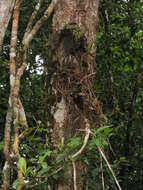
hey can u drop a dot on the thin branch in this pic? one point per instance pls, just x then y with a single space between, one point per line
29 36
55 172
102 175
88 132
109 166
74 174
31 20
110 147
86 138
49 188
87 76
27 39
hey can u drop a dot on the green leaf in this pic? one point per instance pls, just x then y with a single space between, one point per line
22 165
74 143
60 157
100 141
62 144
47 154
15 184
44 165
123 160
44 170
108 132
29 171
97 131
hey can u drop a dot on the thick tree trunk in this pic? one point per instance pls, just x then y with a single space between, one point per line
75 25
6 7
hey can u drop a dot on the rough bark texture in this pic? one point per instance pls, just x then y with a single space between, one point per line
6 7
74 46
84 13
75 25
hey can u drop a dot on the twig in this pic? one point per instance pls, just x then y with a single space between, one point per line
104 157
74 174
111 149
86 138
109 166
87 76
102 176
49 188
55 172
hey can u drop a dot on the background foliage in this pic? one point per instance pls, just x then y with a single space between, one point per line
118 85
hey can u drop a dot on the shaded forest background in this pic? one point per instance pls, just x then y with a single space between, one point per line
118 85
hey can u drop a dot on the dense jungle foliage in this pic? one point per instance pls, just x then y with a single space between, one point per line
118 85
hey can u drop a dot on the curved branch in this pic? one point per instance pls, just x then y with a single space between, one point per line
27 38
86 138
31 20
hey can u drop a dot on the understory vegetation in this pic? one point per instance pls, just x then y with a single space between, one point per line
113 154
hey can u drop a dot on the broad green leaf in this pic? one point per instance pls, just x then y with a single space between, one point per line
22 165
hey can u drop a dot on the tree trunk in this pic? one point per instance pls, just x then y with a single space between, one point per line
6 7
15 113
73 42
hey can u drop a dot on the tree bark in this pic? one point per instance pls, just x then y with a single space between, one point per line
6 7
18 60
75 25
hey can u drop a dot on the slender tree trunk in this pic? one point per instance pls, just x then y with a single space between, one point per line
75 25
6 7
18 58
